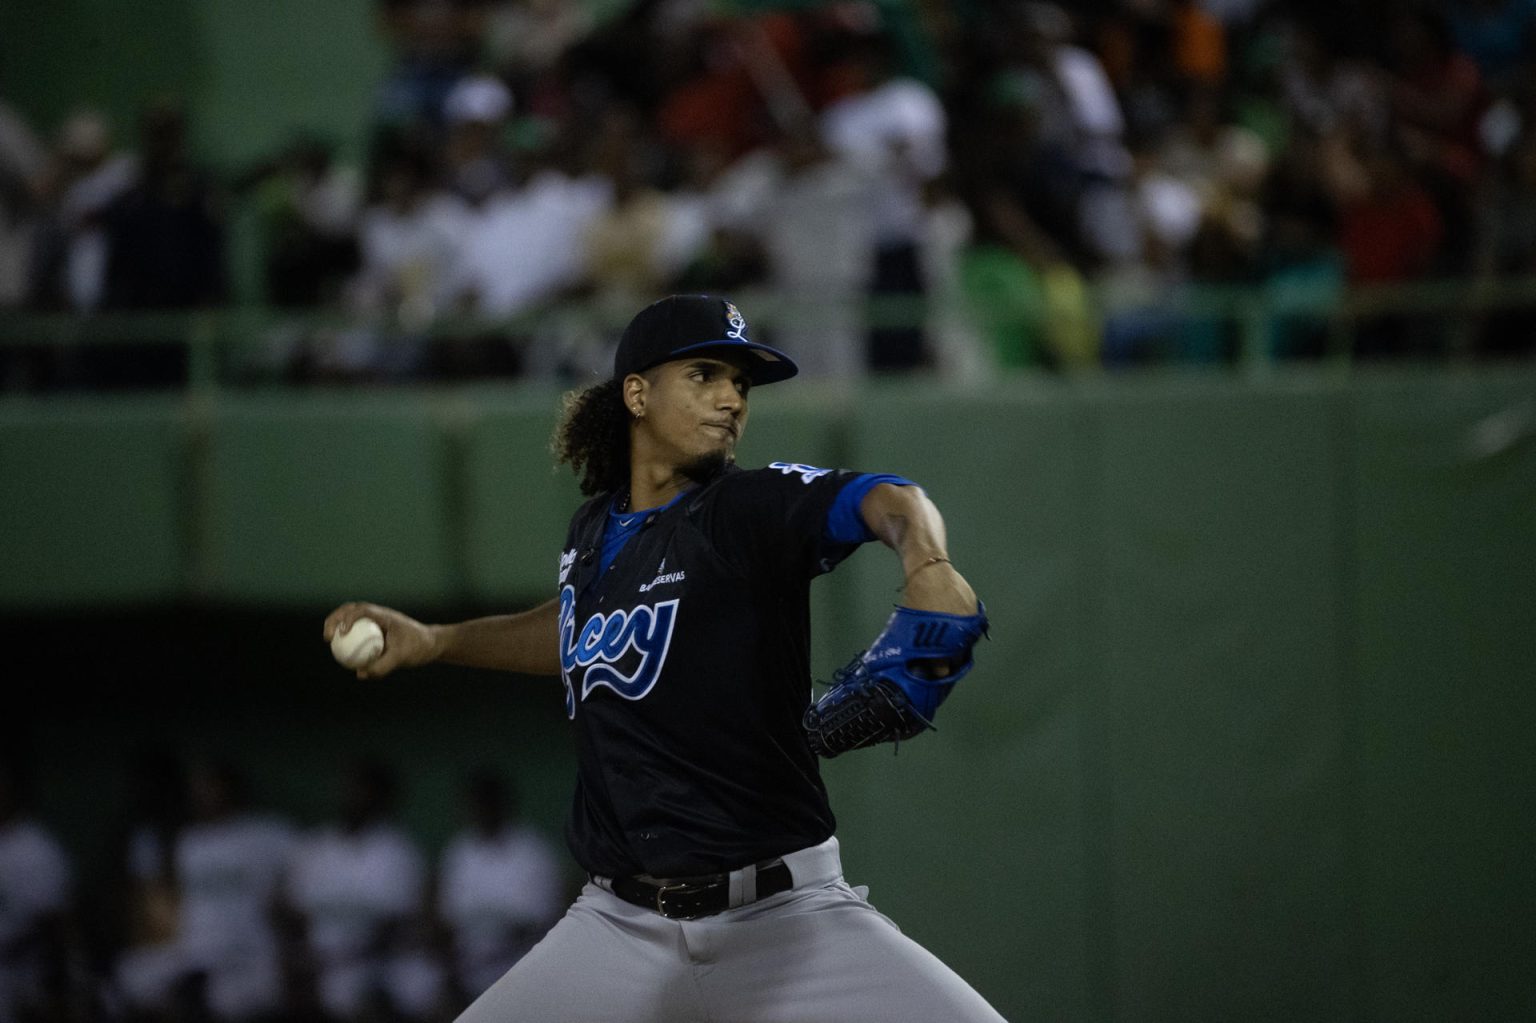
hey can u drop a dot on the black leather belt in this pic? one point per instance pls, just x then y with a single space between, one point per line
688 898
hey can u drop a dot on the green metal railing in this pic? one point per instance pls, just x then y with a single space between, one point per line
1250 313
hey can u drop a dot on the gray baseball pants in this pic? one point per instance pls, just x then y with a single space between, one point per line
818 953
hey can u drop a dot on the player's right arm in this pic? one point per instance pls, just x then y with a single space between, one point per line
527 643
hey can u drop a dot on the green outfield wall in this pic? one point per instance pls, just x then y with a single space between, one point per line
1252 738
252 75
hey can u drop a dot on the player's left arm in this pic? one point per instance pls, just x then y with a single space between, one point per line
893 688
907 521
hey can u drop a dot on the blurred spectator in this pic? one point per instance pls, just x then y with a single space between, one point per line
1133 42
410 241
1254 91
1438 99
500 886
526 40
1508 247
1330 93
1020 176
524 247
635 243
1170 205
811 212
892 128
87 181
1302 267
959 349
309 205
165 233
164 250
738 77
639 244
157 798
221 959
1389 231
1224 166
359 890
1199 44
22 165
1498 35
1077 115
34 897
478 165
435 45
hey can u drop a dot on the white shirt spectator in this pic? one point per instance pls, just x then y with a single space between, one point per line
228 873
894 132
410 259
1089 93
816 225
34 884
524 247
352 888
482 98
533 35
499 895
102 178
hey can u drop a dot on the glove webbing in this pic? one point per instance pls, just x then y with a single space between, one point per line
854 723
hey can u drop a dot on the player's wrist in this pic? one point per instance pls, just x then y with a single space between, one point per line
916 565
439 641
942 589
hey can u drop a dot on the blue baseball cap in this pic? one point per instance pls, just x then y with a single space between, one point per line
685 324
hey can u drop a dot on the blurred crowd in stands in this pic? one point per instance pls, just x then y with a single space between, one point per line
1011 182
219 911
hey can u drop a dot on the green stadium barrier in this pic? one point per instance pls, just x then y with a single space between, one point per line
339 498
1443 621
1218 522
516 505
92 502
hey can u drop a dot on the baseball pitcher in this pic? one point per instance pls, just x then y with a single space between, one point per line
680 632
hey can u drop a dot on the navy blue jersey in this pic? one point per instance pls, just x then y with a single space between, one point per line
687 671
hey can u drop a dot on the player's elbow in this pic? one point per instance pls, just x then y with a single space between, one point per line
906 500
890 509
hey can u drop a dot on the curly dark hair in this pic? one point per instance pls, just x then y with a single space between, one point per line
593 437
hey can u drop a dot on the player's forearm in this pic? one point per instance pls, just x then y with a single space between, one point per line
526 643
905 520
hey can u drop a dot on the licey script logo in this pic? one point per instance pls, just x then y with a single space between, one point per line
607 640
737 321
807 473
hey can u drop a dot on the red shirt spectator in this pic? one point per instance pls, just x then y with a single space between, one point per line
1391 233
1438 96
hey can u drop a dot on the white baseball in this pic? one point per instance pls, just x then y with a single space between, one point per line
356 647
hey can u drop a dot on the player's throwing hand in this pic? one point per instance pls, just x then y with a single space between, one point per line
407 642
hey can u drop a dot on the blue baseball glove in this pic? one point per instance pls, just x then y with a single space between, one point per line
886 693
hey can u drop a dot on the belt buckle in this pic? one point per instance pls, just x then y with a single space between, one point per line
661 899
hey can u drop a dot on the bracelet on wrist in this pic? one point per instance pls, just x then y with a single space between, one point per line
927 563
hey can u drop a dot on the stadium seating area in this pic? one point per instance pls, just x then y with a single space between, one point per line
907 186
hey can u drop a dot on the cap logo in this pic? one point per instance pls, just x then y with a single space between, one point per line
738 331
